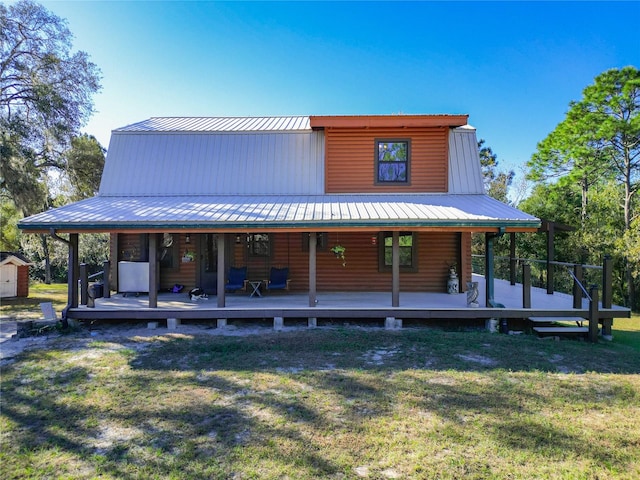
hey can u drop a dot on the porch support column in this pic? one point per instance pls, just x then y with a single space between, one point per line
153 270
221 267
395 270
607 284
74 270
488 269
512 258
313 242
550 255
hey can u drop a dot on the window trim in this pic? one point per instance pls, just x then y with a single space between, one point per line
377 162
413 268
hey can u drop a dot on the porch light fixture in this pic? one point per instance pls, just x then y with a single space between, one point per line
187 238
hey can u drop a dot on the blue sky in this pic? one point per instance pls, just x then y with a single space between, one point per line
512 66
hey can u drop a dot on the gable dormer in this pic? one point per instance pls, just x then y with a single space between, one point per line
387 154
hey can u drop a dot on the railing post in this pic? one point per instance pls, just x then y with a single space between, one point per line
577 291
550 255
526 285
106 277
607 291
84 283
593 314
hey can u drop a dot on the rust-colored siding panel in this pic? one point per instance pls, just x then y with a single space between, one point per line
22 287
350 159
435 252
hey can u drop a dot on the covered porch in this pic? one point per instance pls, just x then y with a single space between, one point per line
420 306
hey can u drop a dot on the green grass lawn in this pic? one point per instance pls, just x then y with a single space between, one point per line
29 307
325 403
336 403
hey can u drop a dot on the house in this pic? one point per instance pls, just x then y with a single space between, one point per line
400 195
14 275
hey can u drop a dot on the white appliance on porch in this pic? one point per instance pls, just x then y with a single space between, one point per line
133 277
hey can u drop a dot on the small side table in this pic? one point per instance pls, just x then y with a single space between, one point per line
256 288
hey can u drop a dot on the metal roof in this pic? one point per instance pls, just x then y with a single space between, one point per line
220 124
282 211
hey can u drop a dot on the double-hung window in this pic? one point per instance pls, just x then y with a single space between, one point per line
408 243
392 161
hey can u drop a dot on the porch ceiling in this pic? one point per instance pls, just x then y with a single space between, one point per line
259 212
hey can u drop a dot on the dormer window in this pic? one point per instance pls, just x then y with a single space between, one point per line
392 161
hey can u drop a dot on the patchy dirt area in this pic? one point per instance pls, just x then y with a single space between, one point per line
11 346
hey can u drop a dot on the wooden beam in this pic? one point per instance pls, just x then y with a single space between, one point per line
313 242
153 270
395 270
74 268
221 269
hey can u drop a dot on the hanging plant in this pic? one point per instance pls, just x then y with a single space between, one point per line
339 250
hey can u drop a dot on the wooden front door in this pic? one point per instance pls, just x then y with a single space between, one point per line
208 271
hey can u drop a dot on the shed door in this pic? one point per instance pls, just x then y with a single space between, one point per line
8 280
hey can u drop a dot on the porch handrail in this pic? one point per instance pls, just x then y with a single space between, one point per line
579 283
535 260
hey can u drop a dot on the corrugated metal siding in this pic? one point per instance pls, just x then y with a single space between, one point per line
465 174
220 124
350 159
201 164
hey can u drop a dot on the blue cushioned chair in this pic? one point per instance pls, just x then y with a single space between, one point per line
237 279
278 279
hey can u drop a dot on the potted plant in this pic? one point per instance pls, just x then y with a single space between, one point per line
187 257
339 250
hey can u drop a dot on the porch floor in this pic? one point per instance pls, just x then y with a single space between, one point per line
510 296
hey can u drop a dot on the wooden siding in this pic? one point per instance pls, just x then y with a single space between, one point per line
350 159
435 252
22 287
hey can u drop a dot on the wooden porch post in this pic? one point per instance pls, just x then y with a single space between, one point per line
313 242
106 281
221 268
395 270
153 270
577 291
84 283
550 255
607 280
526 286
488 268
593 315
512 258
73 270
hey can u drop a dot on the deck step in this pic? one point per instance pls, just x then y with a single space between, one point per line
556 319
561 330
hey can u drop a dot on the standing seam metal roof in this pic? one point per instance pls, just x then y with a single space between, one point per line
291 211
220 124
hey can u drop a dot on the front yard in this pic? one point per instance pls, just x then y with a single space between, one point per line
335 402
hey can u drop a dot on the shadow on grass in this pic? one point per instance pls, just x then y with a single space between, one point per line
375 349
301 404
